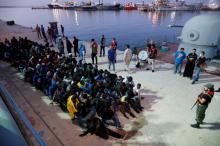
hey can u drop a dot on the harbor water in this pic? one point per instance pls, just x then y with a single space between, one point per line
128 27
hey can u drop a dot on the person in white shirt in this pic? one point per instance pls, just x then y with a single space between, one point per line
127 57
137 93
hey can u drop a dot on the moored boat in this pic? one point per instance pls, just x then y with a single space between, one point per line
66 5
102 6
130 6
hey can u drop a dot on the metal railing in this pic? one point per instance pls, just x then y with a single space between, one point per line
10 100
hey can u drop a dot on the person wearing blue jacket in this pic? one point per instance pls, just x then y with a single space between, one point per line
179 57
111 58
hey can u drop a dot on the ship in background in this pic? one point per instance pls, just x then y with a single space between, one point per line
114 6
130 6
179 5
86 6
66 5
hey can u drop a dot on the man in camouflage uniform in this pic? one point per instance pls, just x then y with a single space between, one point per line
203 101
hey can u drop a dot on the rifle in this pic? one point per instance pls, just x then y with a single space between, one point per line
194 104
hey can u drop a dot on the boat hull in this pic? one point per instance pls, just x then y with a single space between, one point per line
109 7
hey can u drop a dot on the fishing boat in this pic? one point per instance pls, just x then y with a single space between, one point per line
130 6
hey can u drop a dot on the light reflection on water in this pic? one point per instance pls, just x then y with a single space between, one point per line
132 27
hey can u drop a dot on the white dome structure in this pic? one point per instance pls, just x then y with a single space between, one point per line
203 33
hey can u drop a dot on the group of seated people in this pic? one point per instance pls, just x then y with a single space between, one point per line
93 97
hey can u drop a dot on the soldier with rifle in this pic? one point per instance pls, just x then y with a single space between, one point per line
202 103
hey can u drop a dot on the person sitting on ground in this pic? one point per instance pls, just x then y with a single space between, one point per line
137 94
106 112
72 105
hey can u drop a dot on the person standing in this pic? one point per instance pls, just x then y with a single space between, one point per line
111 58
190 64
62 29
60 46
135 53
75 43
152 53
200 64
94 47
38 32
82 53
68 46
102 46
43 32
202 102
50 33
127 57
179 57
114 46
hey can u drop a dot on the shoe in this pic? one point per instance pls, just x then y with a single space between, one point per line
147 69
195 125
118 127
152 70
193 82
218 90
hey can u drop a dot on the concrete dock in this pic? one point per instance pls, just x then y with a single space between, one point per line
165 121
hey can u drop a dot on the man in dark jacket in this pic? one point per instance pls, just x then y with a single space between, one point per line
94 47
68 46
200 64
75 43
190 64
102 46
